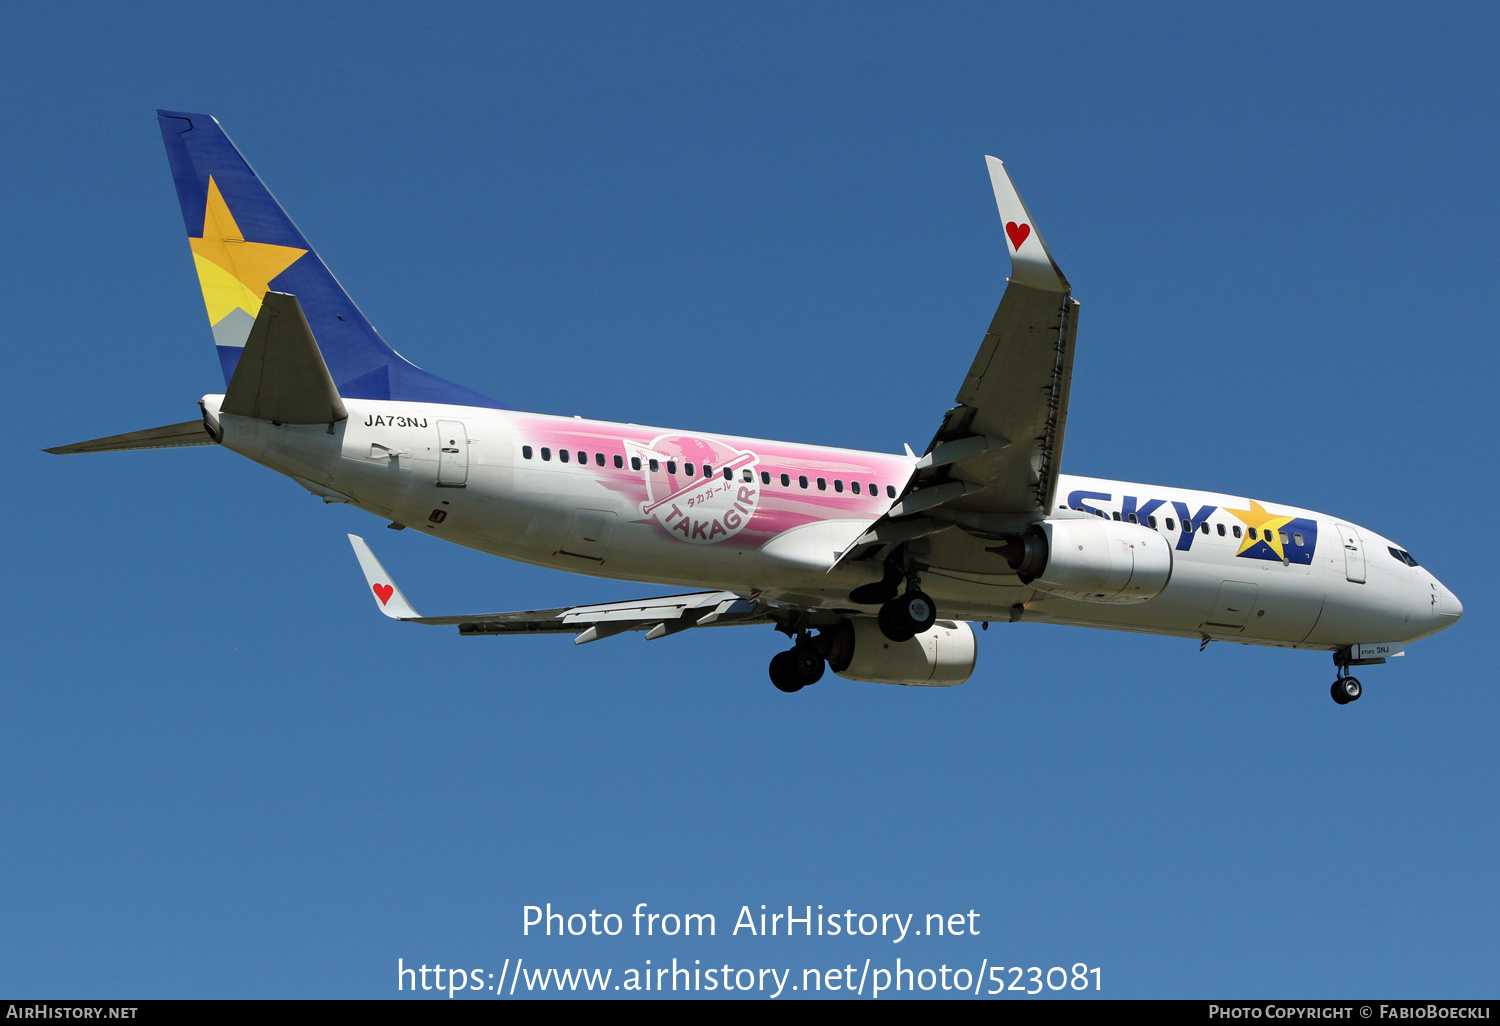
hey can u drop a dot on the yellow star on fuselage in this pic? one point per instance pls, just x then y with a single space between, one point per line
234 272
1266 523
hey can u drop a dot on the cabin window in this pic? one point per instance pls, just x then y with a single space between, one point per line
1171 526
671 466
1284 538
838 485
890 491
526 452
1115 515
583 457
619 462
655 465
765 477
854 487
1134 519
562 455
1204 526
802 481
689 468
1252 534
1221 530
1297 537
786 482
1152 522
635 463
546 454
822 485
708 470
1236 530
729 474
599 459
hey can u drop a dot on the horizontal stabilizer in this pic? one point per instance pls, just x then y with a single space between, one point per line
172 436
282 377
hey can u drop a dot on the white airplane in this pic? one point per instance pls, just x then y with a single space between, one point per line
873 564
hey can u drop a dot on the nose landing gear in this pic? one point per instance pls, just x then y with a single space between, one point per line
1346 690
796 668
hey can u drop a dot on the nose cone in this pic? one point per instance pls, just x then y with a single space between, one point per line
1445 605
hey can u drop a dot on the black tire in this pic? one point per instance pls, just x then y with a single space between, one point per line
1346 690
921 610
783 673
807 664
906 616
892 625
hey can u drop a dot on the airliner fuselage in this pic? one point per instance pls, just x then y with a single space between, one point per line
582 496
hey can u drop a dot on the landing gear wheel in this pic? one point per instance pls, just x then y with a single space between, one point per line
796 668
906 616
1346 690
783 675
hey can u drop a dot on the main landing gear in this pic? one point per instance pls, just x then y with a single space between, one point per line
796 668
907 615
904 616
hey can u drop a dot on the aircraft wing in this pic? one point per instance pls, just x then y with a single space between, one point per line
658 617
996 451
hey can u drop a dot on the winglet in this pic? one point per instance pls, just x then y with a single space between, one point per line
1030 260
387 596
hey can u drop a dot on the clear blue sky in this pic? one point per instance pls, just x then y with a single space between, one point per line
225 775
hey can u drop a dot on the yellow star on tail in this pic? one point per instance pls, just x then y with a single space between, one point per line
1259 517
234 272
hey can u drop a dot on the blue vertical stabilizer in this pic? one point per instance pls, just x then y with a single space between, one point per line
245 245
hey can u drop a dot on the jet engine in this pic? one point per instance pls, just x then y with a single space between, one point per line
939 657
1091 560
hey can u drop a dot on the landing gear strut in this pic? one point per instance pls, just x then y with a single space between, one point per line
907 615
797 667
1347 689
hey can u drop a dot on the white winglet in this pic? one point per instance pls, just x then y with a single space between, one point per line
1030 261
387 596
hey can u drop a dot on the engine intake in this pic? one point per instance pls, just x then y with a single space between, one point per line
1091 560
940 657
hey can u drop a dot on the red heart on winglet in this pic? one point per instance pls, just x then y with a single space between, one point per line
384 592
1018 233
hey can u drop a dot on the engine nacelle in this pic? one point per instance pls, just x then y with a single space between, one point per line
938 658
1092 560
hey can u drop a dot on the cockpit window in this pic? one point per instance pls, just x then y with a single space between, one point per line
1403 556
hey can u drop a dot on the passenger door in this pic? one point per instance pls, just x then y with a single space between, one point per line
1354 553
453 454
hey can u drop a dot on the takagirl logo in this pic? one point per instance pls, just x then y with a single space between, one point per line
701 488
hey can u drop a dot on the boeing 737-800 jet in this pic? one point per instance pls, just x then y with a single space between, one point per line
873 564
